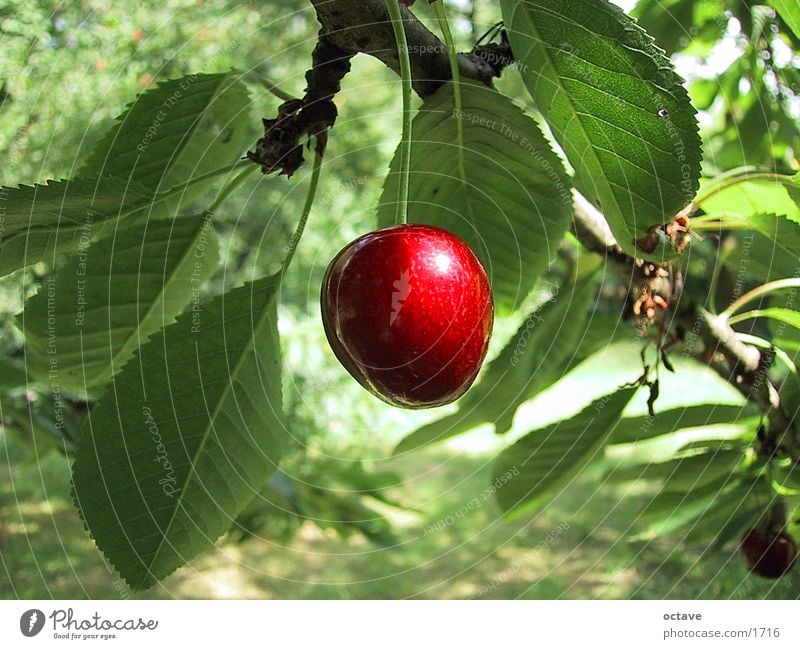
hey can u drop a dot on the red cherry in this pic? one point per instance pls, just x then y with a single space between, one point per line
769 555
408 311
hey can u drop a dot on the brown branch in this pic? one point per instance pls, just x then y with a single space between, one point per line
742 365
348 28
281 148
364 26
746 368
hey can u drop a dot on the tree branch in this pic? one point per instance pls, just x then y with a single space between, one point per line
743 366
281 148
348 28
364 26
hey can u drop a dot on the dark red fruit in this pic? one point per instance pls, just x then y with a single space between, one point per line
770 555
408 311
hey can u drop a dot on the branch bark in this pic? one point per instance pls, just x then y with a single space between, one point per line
364 26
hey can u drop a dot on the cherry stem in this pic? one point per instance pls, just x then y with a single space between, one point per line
393 6
444 25
455 72
757 292
301 225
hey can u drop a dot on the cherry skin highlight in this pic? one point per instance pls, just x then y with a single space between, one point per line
769 555
408 311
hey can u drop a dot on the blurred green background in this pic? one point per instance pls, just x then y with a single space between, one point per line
66 69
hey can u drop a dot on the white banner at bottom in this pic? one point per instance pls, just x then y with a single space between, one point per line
399 624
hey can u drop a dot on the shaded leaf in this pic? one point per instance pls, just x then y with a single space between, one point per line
43 220
722 519
670 510
185 437
45 425
687 472
87 320
633 429
12 375
540 464
676 24
730 524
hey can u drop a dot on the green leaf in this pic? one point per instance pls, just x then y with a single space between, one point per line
614 104
686 472
730 523
186 436
788 476
175 132
793 187
543 462
634 429
786 316
46 424
87 320
12 375
768 251
532 360
757 196
726 517
774 247
790 390
512 204
40 221
676 23
670 510
789 10
770 247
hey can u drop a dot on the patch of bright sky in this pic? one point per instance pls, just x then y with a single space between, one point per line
626 5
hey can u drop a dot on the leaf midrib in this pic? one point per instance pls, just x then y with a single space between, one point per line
158 301
189 134
206 433
534 31
592 448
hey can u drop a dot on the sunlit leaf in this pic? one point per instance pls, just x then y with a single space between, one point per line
174 132
614 104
